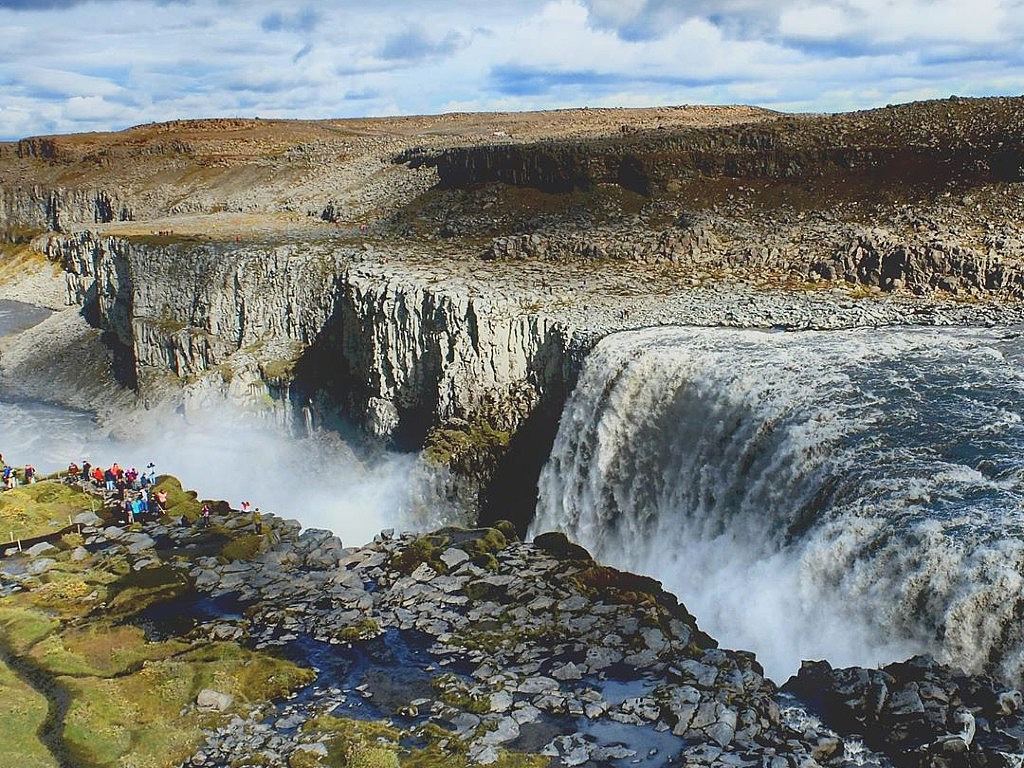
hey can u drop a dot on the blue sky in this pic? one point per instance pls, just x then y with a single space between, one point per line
77 65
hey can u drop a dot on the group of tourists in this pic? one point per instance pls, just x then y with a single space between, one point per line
9 475
130 488
135 493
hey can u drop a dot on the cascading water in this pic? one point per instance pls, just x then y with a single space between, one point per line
307 417
852 495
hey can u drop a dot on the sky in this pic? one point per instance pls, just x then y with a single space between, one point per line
81 65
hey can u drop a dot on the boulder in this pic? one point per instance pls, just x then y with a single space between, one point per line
557 544
40 549
214 700
88 518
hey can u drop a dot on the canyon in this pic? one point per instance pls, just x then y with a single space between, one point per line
659 332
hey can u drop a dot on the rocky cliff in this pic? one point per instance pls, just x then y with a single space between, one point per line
327 330
36 209
923 145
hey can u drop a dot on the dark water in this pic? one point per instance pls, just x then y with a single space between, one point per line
16 316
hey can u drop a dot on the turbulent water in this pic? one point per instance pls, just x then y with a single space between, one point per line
319 480
851 495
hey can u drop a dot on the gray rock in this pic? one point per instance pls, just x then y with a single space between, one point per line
87 518
567 672
538 685
453 557
501 701
139 543
215 700
41 565
424 572
40 549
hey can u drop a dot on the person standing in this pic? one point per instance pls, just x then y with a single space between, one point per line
257 521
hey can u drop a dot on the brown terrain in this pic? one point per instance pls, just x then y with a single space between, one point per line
920 196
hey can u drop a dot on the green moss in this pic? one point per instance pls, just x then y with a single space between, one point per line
489 542
425 549
362 630
21 628
35 510
244 547
463 446
22 712
508 530
147 718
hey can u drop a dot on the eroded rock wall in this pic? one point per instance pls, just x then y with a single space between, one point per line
350 340
45 209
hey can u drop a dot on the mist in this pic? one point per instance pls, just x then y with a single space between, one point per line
322 481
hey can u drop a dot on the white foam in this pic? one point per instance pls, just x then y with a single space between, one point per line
843 495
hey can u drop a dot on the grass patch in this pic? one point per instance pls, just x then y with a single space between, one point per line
101 651
147 718
368 744
21 628
35 510
180 503
453 692
279 370
22 712
137 590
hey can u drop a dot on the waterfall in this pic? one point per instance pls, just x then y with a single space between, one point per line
853 495
307 417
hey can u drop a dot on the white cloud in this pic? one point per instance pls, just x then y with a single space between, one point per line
111 63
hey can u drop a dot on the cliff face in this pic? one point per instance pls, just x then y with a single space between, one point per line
399 357
923 145
39 208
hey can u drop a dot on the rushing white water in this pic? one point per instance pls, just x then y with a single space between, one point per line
851 495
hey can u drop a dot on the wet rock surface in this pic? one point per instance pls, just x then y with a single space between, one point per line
918 712
475 646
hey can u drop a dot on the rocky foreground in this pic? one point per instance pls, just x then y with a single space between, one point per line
172 644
